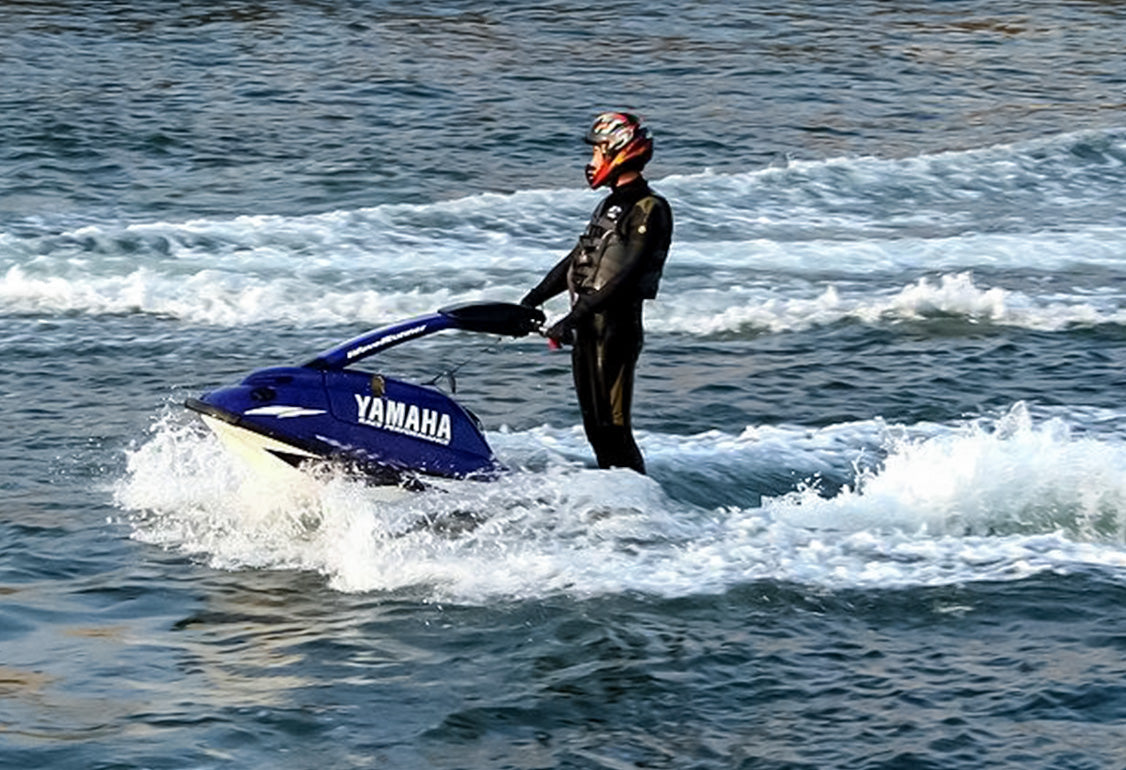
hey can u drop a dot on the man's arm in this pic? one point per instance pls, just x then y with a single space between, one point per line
555 282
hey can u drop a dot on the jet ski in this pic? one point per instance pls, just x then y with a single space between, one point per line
326 411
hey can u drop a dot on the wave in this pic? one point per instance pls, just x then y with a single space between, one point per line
853 238
223 299
943 298
1061 184
1041 185
936 504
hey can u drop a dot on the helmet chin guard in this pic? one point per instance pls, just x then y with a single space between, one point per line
626 146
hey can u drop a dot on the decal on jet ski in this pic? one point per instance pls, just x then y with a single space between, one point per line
384 342
282 412
400 417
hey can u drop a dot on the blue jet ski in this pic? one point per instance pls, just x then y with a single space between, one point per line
393 431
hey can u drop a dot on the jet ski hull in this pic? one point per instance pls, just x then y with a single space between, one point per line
262 454
391 430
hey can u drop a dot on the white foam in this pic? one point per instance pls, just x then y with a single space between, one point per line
1014 476
761 307
771 249
1095 246
219 298
231 299
980 501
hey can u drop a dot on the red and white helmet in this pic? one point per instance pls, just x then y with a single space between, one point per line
626 146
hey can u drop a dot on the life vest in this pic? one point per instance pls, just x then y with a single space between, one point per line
608 246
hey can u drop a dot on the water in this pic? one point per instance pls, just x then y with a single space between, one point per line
885 525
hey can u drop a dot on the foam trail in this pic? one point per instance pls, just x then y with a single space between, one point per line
758 308
985 500
1013 477
226 299
965 234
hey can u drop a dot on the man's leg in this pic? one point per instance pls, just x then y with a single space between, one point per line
603 369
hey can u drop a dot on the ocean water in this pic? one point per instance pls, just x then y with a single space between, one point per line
880 398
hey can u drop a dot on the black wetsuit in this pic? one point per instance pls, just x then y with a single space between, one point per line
616 265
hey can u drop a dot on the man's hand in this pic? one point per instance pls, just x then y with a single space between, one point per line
562 331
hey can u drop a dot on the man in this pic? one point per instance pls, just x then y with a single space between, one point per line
615 265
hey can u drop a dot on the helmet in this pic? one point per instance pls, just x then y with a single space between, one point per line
626 146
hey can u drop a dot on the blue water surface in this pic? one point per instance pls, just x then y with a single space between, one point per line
885 522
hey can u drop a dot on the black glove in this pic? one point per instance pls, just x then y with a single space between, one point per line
532 323
562 331
530 300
